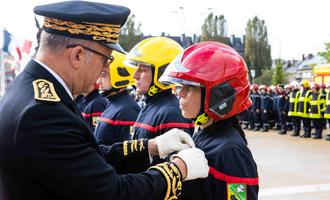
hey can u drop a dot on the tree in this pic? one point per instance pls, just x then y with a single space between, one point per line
257 51
130 35
278 75
326 54
215 29
265 78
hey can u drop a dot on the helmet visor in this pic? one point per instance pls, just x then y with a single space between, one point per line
136 64
173 68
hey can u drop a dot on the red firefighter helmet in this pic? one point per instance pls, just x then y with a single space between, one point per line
323 86
316 86
254 87
220 70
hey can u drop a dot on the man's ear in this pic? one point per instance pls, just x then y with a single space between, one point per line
76 56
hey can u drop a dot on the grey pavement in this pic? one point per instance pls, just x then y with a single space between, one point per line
291 168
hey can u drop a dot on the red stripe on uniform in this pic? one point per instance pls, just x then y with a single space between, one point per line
115 122
233 179
163 126
91 114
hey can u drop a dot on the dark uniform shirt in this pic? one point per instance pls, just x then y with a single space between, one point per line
95 104
265 102
283 103
255 97
80 101
117 120
48 152
160 114
276 98
233 171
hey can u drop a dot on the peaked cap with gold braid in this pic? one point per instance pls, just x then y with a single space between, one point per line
85 20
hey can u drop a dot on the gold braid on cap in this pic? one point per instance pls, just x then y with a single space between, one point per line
173 179
97 31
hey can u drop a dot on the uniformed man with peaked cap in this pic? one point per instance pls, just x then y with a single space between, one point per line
46 149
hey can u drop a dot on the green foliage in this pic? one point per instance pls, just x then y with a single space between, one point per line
257 51
326 54
278 75
215 29
130 35
265 78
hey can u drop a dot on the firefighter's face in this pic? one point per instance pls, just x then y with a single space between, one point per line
143 77
104 81
190 100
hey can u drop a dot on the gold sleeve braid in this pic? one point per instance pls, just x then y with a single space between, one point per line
133 146
173 179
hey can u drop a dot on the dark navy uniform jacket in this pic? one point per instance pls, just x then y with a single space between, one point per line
255 97
95 104
276 98
232 167
48 152
80 100
265 102
283 103
161 114
117 120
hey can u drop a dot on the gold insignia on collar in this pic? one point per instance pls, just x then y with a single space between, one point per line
45 91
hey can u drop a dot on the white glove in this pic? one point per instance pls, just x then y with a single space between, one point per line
196 163
172 141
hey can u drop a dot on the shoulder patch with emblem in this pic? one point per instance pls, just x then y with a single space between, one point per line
45 91
236 191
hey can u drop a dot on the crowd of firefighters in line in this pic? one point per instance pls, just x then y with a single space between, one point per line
284 107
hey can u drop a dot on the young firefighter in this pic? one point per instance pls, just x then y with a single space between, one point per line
213 88
116 121
161 112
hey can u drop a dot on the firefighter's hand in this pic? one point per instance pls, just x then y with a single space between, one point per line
265 111
257 110
172 141
195 162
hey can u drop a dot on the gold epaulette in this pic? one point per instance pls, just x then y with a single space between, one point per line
45 91
133 146
173 179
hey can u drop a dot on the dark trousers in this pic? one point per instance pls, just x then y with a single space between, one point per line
246 117
282 120
296 124
257 119
317 123
265 118
307 125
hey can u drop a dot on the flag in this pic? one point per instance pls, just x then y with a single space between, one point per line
26 48
17 47
6 40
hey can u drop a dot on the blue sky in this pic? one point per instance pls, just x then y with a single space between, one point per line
294 27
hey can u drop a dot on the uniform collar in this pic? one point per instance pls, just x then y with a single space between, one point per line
92 95
58 78
117 95
159 95
39 72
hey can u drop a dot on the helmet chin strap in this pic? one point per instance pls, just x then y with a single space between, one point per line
202 117
153 89
109 92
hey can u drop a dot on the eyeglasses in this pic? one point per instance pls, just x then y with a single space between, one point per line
108 59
